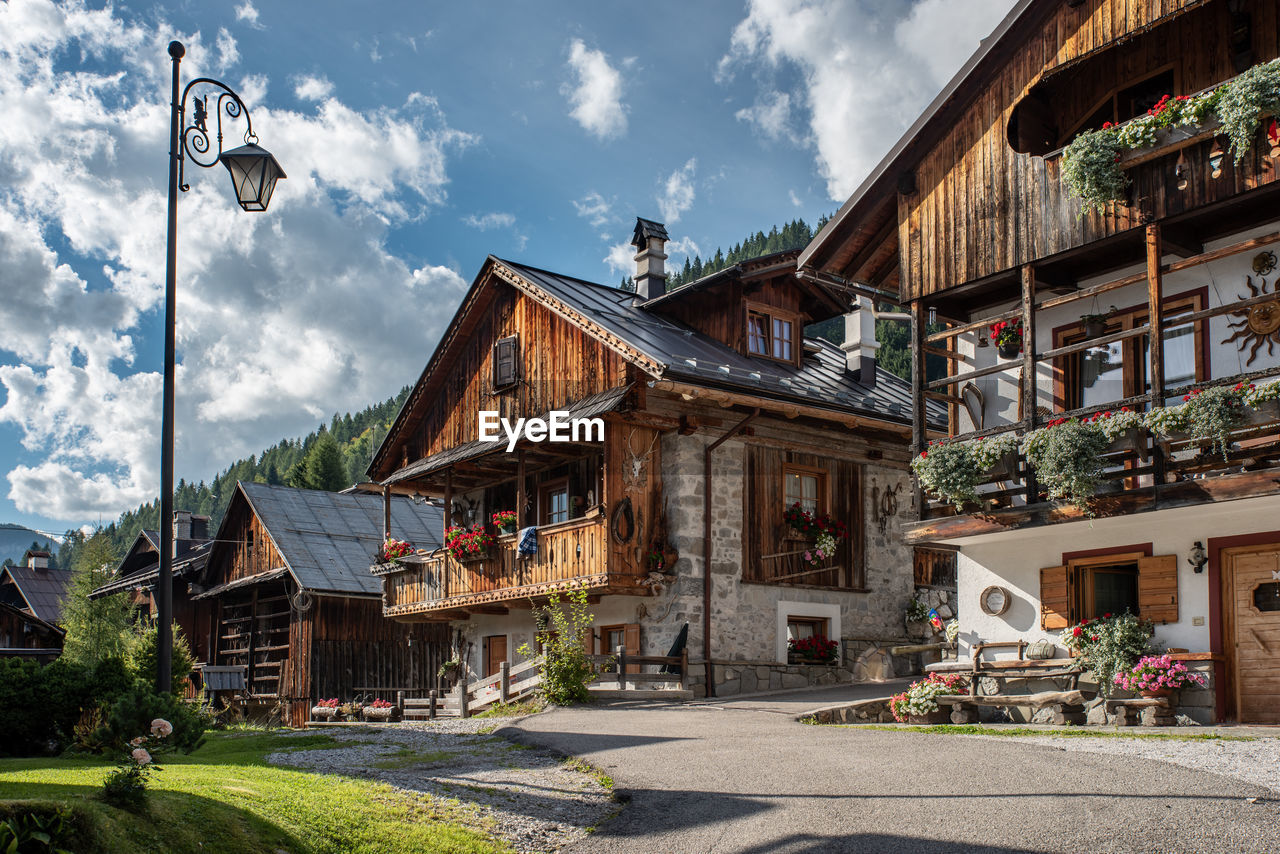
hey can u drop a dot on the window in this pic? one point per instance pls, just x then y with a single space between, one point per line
505 359
771 333
1118 370
1085 588
800 628
553 502
807 487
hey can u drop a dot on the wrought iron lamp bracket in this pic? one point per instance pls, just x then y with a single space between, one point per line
194 139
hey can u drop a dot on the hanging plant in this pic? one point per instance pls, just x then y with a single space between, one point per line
1091 169
950 471
1007 336
1242 101
1066 456
1212 413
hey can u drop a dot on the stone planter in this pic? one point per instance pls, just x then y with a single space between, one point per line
385 713
941 716
1158 692
323 713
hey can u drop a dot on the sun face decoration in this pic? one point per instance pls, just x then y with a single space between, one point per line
1259 324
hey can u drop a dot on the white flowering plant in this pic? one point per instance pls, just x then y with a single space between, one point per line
1256 395
1167 421
126 786
1066 457
950 471
922 697
1115 424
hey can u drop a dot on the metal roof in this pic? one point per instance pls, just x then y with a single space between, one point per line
43 589
192 562
588 407
329 539
684 353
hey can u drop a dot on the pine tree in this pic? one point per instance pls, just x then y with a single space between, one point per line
322 468
97 629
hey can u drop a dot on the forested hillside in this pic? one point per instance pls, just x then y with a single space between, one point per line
332 457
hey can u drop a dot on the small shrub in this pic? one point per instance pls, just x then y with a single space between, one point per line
134 712
144 655
566 670
30 828
1109 644
126 787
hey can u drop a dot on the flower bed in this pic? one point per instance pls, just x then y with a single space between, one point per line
921 699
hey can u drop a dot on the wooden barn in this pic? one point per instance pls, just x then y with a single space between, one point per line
715 414
24 635
287 596
35 587
1093 227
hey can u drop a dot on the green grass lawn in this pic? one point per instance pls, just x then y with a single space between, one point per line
225 798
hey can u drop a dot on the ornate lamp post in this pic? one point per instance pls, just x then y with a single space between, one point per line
254 173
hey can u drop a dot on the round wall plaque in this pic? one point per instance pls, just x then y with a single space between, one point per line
994 601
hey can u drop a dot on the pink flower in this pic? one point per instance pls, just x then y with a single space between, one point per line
140 756
162 728
139 741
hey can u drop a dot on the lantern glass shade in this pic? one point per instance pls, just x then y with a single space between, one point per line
254 173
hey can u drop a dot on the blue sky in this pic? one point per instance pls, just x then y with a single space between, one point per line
418 138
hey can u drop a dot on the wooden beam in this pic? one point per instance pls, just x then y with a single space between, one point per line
386 512
1155 315
448 502
520 496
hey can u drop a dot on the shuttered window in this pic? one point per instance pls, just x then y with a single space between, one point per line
505 353
1095 587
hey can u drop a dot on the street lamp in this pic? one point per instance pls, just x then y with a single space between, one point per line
254 173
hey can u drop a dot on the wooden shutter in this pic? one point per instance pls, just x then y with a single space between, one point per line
1055 598
631 638
1158 588
504 361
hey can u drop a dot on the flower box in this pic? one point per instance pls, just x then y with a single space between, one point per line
1005 466
1131 440
1262 414
941 716
326 713
383 713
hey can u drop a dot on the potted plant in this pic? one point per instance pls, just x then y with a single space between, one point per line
825 531
1212 413
1108 644
1007 336
919 703
1066 457
996 456
1122 429
950 471
1263 401
816 649
1157 676
469 545
350 711
1095 325
450 669
393 549
325 709
505 521
380 710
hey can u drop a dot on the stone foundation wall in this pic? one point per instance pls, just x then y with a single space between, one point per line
750 677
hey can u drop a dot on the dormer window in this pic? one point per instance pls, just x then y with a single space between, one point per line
771 333
505 361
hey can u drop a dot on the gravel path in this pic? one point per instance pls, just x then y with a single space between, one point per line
1256 761
531 798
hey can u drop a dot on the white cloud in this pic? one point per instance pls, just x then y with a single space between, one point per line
795 200
684 247
228 52
248 13
595 209
310 87
621 258
856 88
490 221
596 96
771 116
677 192
275 326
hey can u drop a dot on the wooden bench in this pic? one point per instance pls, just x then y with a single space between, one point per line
1148 711
1067 706
1020 667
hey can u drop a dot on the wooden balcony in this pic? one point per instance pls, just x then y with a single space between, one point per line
1142 473
573 554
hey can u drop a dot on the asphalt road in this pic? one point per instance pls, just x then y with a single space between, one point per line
743 776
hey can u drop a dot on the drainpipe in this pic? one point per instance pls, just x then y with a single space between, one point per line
706 546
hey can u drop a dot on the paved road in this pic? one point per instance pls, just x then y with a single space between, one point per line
742 776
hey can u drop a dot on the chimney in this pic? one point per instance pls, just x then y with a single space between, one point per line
37 560
860 344
650 241
181 528
199 527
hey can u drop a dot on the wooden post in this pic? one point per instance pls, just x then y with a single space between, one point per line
448 499
250 671
463 710
504 682
432 697
1155 315
918 382
520 497
621 652
386 512
1030 391
684 668
400 702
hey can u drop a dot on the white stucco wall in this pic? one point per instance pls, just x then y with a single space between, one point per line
1223 279
1013 560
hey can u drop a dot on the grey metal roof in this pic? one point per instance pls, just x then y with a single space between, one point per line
588 407
43 589
193 561
686 354
329 539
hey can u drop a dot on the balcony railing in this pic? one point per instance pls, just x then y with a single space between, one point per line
573 553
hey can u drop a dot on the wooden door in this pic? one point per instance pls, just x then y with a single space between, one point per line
495 652
1252 591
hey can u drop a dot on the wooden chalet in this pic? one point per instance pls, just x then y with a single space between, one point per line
717 413
24 635
35 587
970 222
136 575
286 596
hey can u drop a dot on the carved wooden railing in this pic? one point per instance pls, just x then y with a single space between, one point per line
568 552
